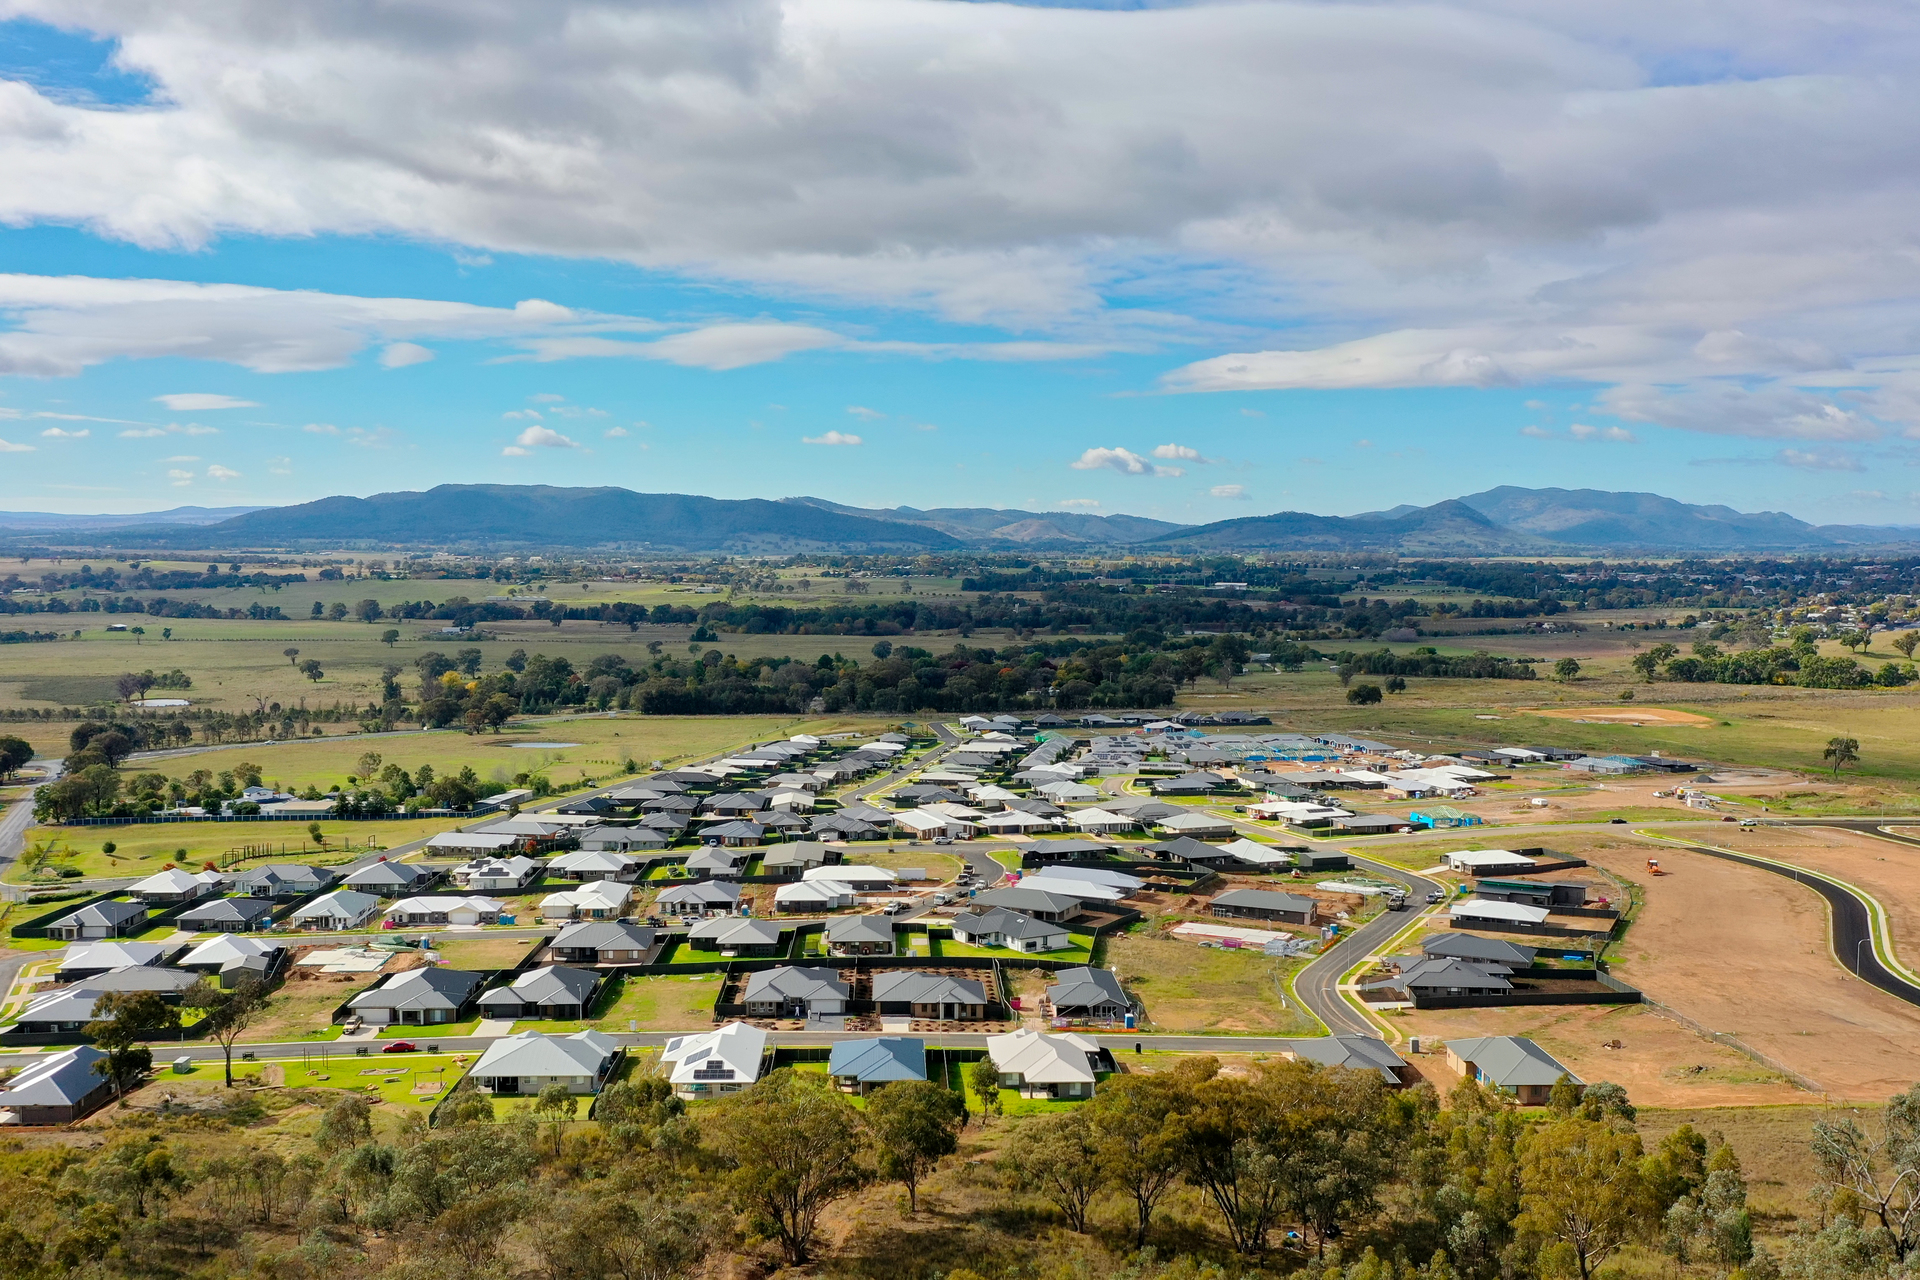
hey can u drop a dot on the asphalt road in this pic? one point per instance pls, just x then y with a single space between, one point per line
1318 984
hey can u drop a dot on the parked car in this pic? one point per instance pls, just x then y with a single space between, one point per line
1437 896
400 1046
942 899
943 839
1618 822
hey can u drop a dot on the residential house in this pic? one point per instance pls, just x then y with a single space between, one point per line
389 879
861 1066
226 915
473 844
603 942
1263 904
168 888
1498 917
1089 994
736 936
1014 930
833 826
111 919
1064 881
710 1063
1103 821
644 838
698 899
1355 1053
1036 902
604 862
1465 946
813 895
1606 765
283 880
784 823
67 1010
1438 976
1018 822
1121 883
734 805
735 834
925 824
418 997
533 1060
934 997
1487 862
717 863
497 875
1044 1066
867 879
594 900
233 958
56 1090
555 992
795 991
860 936
1188 784
1065 792
795 857
1197 826
1514 1065
342 909
1375 824
1042 852
467 911
593 806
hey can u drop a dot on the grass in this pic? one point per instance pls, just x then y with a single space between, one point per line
1189 988
939 866
1080 951
662 1002
303 1006
144 849
1008 858
482 952
340 1070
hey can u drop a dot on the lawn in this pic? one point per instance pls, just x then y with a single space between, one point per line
482 952
1080 951
1190 988
1008 858
661 1002
939 866
140 850
303 1006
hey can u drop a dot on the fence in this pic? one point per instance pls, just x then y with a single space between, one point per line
489 979
1613 991
154 819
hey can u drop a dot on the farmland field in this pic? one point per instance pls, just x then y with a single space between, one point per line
141 850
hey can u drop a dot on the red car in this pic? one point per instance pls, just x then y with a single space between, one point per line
399 1046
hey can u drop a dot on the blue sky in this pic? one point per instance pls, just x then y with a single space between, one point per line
1232 260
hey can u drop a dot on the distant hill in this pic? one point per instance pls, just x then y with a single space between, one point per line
1026 528
1446 528
55 521
499 515
1596 518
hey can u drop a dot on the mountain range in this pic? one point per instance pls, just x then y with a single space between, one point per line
1501 521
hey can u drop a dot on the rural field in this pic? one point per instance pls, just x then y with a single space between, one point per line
142 849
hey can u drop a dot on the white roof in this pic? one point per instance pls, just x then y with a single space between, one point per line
602 894
1295 811
1253 851
1065 790
988 791
919 820
172 880
348 904
226 947
1486 909
410 906
1066 883
948 809
888 747
473 840
1191 822
1086 819
1486 858
1017 820
108 955
814 891
1089 875
850 875
736 1047
592 860
1043 1059
534 1053
1366 775
1518 753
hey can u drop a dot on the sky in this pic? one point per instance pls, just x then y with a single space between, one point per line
1191 261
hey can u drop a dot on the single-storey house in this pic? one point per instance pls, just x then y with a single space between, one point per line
860 1066
795 857
1200 826
603 942
1487 862
698 899
283 880
1100 820
1188 784
341 909
928 825
1607 765
1044 1066
1375 824
710 1063
533 1060
226 915
1036 902
1435 976
1464 946
497 875
1264 904
860 936
795 991
717 863
736 936
473 844
1356 1053
87 960
932 996
604 862
1513 1065
813 895
555 991
99 920
1497 917
594 900
229 954
56 1090
734 805
1089 994
169 887
999 927
422 997
389 879
867 879
468 911
833 826
736 834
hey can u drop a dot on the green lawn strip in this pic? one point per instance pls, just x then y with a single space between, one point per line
1078 953
143 849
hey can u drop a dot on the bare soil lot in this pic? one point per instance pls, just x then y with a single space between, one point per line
1620 715
1746 952
1660 1061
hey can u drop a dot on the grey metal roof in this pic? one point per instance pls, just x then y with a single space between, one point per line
708 891
1019 898
1467 947
227 910
916 986
860 929
59 1081
1264 900
420 989
105 914
1009 924
879 1060
794 982
555 984
604 935
1510 1061
1085 987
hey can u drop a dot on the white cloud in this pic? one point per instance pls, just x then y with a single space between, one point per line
180 479
1806 460
833 437
543 438
171 429
518 415
321 429
515 451
546 397
1181 452
8 446
60 433
865 414
218 472
1252 413
1125 461
280 466
1537 432
1079 504
201 402
1618 435
616 433
1233 492
398 355
182 457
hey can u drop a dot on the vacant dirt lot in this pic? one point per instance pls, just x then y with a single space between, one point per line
1621 715
1661 1062
1746 952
